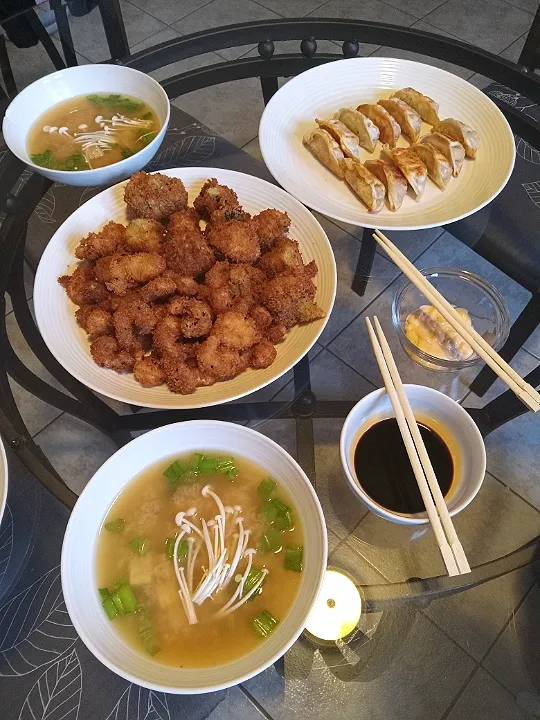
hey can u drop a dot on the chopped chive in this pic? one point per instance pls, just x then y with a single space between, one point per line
147 138
284 521
183 548
127 598
208 466
271 541
264 623
169 547
146 632
252 579
120 583
273 508
293 558
139 545
117 603
174 472
110 607
195 462
146 116
126 152
266 488
115 526
104 593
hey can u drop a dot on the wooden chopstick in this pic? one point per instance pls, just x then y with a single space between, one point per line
446 551
525 392
434 486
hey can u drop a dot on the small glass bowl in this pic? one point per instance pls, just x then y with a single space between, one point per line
485 305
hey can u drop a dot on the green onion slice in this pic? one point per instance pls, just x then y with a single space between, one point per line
115 526
109 607
139 545
271 541
174 472
266 488
264 623
293 558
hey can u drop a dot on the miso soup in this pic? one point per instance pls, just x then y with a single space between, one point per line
91 131
199 559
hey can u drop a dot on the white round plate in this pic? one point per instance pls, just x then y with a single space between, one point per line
322 91
55 313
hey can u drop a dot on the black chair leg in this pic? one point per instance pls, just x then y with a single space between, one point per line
525 325
364 264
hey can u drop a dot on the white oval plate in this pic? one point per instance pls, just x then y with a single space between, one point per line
322 91
55 313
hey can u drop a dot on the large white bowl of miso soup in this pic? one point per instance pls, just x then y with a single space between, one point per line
88 125
193 557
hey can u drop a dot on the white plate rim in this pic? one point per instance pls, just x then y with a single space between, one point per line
42 279
373 225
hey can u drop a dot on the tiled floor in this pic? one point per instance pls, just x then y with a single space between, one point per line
473 655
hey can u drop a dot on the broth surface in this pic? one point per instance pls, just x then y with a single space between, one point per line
149 505
91 131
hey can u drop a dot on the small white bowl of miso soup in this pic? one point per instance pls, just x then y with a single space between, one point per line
88 125
193 557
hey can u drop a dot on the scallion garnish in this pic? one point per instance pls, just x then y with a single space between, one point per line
293 558
121 601
279 514
174 472
139 545
183 548
264 623
266 488
104 593
109 607
146 632
115 526
127 598
254 575
271 541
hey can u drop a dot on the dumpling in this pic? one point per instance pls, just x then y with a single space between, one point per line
438 167
366 131
426 107
452 150
410 165
408 119
370 190
325 149
348 141
456 130
392 179
389 130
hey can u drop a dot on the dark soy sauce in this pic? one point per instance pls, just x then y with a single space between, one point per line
384 470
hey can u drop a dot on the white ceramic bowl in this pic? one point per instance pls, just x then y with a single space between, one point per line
467 446
46 92
80 542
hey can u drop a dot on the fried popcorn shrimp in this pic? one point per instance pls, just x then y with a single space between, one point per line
235 239
155 196
233 287
215 197
270 225
262 355
148 372
184 377
184 285
158 289
82 287
144 235
287 297
122 272
195 316
276 333
235 331
96 321
261 317
133 319
183 222
190 256
285 256
107 353
220 361
108 240
166 338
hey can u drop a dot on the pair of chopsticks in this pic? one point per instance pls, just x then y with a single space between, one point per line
439 517
525 392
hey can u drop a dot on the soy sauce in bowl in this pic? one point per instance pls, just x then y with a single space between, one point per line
384 470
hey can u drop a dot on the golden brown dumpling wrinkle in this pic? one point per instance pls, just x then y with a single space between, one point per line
389 130
452 150
348 141
393 180
369 189
426 107
407 118
366 131
325 149
456 130
410 165
438 167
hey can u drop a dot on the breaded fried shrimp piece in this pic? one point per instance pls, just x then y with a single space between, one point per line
183 377
183 222
155 196
235 239
214 197
148 372
166 338
82 287
107 353
108 240
276 333
122 272
261 317
190 256
158 289
262 355
270 225
132 319
286 290
235 331
195 316
285 256
219 361
99 322
144 235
